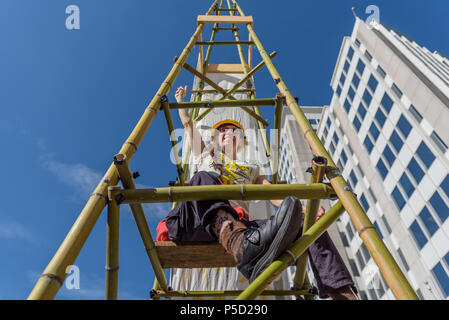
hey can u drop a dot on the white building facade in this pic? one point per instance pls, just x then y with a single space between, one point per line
387 128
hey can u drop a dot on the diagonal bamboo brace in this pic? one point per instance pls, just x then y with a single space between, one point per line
221 90
295 250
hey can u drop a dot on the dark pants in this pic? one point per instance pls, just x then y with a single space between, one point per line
190 222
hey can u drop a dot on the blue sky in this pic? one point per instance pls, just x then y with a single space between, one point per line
70 98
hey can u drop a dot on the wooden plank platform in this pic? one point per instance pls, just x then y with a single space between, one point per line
193 255
226 19
224 68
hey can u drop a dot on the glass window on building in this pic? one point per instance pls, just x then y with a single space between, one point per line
418 234
407 185
346 66
338 91
396 90
396 141
357 42
344 157
403 260
355 81
344 239
335 138
354 269
360 67
374 131
359 257
342 79
372 83
349 231
381 118
332 148
442 278
387 102
398 198
386 224
415 113
353 178
404 126
351 93
381 72
376 225
368 56
389 155
439 142
382 169
365 252
367 97
361 111
347 106
439 206
372 294
415 170
364 203
350 53
373 198
426 156
428 221
368 144
445 185
357 124
446 259
325 133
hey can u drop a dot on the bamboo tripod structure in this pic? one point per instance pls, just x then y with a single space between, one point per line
107 193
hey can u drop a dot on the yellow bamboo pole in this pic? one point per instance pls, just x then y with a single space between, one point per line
54 274
139 215
277 138
226 192
112 245
393 275
319 165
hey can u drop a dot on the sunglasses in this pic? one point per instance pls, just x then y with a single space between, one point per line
231 129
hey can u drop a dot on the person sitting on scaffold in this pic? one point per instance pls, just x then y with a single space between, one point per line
253 244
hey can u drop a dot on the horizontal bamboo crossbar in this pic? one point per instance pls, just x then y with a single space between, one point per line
230 293
225 19
222 43
226 192
224 103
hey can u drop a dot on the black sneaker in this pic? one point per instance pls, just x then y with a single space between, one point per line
261 246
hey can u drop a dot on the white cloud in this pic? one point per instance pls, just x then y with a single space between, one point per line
78 176
12 230
84 180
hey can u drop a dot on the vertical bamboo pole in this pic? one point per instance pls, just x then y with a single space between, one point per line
319 165
54 274
393 275
112 245
139 215
277 137
174 142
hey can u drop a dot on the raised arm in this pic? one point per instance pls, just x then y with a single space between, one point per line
195 141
